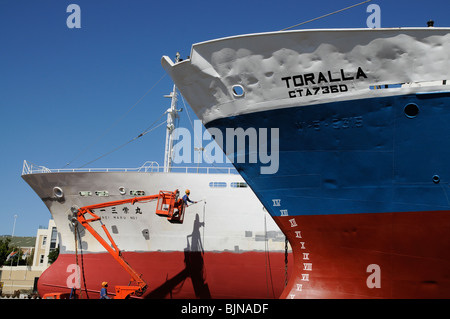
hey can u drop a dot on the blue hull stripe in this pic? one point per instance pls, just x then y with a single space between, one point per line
377 155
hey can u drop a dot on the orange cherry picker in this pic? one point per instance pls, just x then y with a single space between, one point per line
168 205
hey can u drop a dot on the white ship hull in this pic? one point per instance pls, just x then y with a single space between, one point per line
228 220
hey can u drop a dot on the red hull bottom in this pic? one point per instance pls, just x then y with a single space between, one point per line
390 255
172 274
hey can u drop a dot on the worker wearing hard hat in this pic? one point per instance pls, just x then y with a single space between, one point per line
181 203
186 198
104 291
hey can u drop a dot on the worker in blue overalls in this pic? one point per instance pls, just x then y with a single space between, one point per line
104 291
186 198
182 203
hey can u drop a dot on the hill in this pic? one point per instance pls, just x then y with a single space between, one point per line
20 241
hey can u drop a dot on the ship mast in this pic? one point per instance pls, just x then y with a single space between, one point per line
172 115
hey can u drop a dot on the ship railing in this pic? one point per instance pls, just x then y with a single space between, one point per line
149 166
30 168
204 170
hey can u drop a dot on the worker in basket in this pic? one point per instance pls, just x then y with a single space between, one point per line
183 202
186 198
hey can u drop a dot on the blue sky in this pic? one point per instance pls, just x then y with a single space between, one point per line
61 88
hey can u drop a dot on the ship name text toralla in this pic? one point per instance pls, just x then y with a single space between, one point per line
326 82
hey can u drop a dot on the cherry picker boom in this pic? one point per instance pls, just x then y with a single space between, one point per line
168 205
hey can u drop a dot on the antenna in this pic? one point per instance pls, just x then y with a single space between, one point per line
172 115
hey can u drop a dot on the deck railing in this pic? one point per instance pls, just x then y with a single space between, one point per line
149 166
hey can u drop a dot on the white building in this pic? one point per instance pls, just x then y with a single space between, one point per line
46 241
24 278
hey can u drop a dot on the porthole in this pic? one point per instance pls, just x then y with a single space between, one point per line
238 90
122 190
411 110
58 192
217 184
238 184
137 193
436 179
